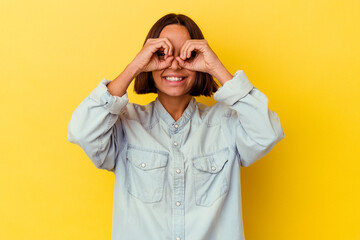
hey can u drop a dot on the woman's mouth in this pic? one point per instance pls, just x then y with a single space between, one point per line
174 79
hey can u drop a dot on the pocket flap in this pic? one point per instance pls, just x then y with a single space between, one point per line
212 163
147 160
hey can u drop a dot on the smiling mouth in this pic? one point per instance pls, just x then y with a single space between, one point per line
174 79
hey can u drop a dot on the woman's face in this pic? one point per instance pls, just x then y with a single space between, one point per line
172 87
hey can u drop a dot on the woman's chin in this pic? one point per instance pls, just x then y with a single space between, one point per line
174 94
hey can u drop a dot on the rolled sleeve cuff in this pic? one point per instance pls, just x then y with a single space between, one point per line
102 96
235 89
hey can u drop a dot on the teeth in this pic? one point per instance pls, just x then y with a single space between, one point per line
173 79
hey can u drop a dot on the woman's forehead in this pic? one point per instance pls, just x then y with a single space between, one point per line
177 34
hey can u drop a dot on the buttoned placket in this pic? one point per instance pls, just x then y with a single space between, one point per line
179 188
176 131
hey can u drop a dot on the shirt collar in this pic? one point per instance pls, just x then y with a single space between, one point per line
166 117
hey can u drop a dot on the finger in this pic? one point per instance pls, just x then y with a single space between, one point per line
162 45
166 47
166 63
169 60
182 53
156 41
200 47
190 46
169 50
183 64
187 50
190 49
169 47
180 61
155 46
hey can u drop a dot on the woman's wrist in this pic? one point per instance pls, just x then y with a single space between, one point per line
222 74
132 70
119 85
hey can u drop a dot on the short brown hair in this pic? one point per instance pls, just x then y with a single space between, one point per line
204 83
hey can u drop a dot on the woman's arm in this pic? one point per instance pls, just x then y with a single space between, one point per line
95 124
120 84
257 128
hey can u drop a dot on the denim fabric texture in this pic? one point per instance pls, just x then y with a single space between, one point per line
177 179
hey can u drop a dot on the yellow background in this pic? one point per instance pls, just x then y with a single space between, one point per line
304 55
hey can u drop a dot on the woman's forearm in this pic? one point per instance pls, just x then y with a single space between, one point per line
119 85
222 74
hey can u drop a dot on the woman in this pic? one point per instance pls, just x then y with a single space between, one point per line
176 161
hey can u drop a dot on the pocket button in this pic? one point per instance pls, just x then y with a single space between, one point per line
146 174
210 177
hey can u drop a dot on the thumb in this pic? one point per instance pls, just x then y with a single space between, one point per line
181 62
187 65
167 62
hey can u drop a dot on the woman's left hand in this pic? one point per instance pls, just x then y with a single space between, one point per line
205 60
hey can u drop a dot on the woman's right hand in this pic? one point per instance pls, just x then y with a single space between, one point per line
156 54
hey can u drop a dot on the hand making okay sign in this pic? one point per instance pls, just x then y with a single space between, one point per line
196 55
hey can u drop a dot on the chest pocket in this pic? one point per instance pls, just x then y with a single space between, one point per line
146 174
210 177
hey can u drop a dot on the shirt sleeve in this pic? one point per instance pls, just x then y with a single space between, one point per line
96 127
257 128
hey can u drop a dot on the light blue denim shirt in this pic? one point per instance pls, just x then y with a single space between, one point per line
177 179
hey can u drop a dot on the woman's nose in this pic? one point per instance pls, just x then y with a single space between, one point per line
175 64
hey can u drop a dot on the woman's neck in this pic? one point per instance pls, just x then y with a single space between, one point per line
175 106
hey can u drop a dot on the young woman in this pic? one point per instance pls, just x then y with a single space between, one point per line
176 161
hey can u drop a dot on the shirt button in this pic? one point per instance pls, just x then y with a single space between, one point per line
176 126
177 238
143 165
175 143
178 171
213 168
178 204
